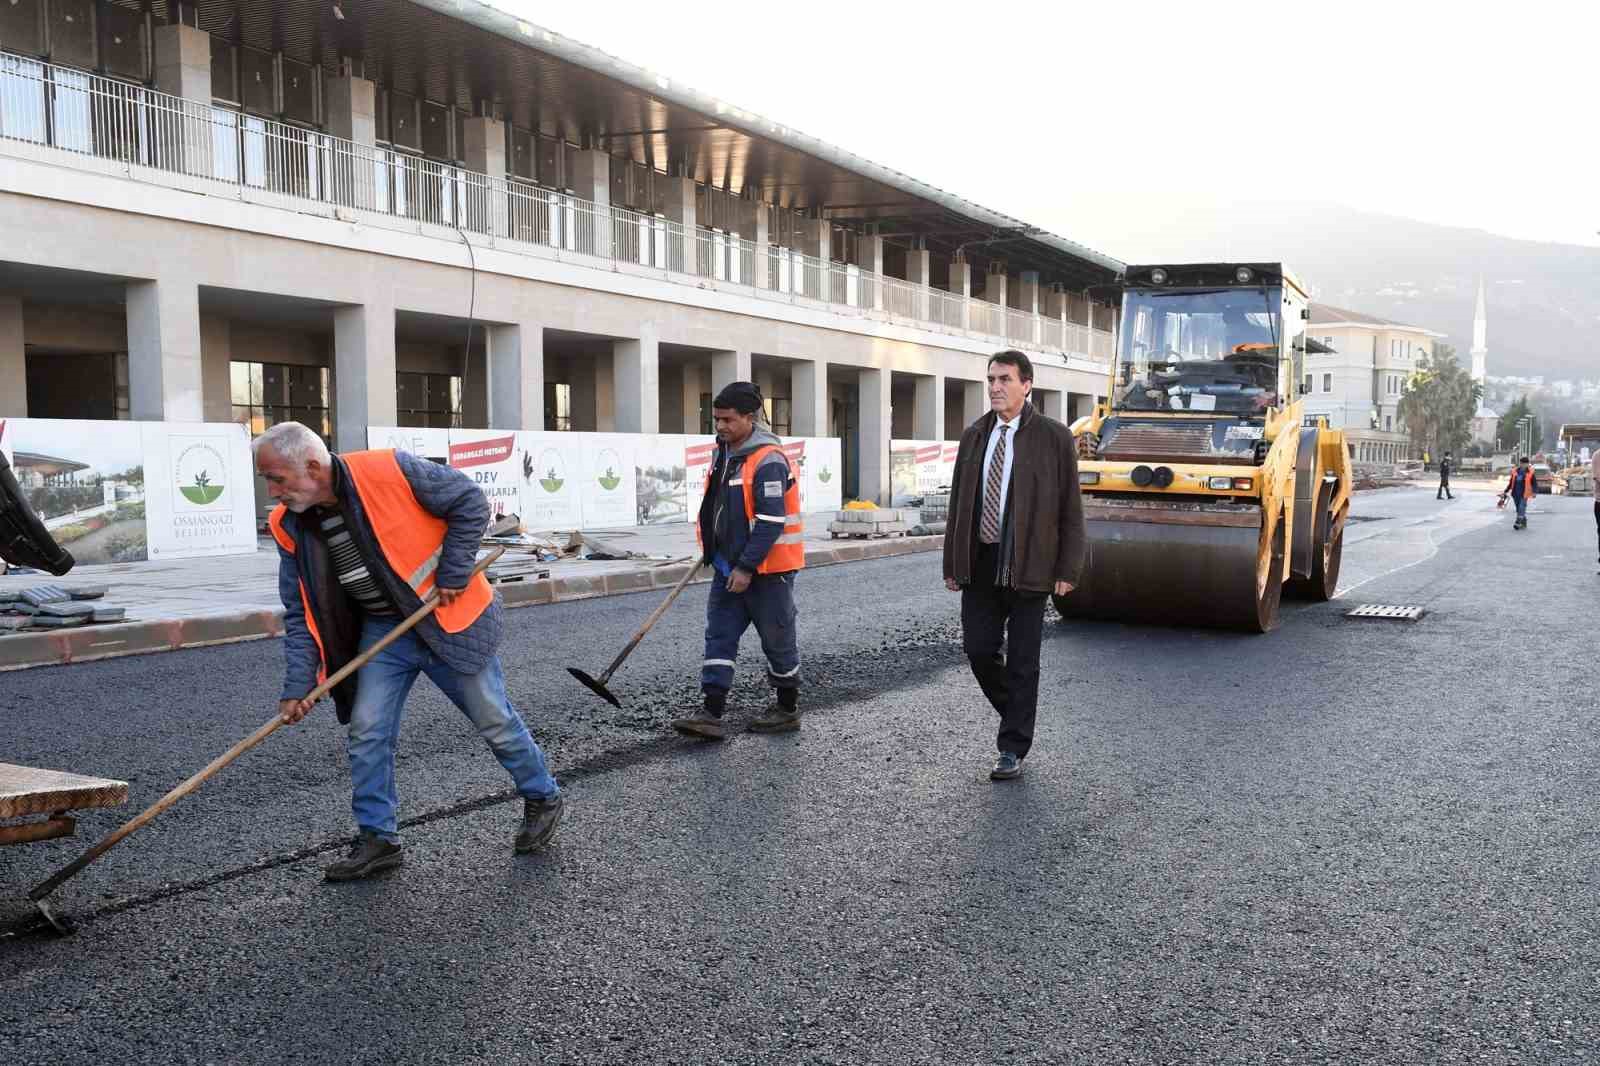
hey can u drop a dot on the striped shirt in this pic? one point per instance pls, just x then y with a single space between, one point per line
358 582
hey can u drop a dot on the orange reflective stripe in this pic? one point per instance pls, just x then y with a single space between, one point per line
286 542
279 534
410 537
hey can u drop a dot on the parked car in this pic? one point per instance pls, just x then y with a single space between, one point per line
1543 479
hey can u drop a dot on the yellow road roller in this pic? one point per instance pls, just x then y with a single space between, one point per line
1207 491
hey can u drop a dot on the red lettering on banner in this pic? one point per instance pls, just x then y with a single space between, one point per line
699 454
482 452
930 454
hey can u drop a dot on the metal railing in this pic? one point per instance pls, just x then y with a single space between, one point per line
64 116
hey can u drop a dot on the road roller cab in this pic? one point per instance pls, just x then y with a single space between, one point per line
1205 490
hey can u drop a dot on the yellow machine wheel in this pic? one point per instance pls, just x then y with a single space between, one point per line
1327 553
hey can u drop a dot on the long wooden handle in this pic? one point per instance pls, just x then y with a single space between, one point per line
149 814
649 623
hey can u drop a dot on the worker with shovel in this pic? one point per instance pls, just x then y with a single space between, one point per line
751 534
362 537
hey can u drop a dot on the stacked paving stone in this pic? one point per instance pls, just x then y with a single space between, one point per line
878 522
54 607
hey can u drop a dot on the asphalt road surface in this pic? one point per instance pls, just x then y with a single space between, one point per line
1345 841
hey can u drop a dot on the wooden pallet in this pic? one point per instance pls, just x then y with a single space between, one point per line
27 791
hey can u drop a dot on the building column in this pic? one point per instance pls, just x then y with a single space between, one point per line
870 250
591 180
484 151
183 62
974 401
363 373
753 227
352 113
13 359
728 367
961 285
994 288
873 396
164 364
678 205
917 273
352 107
216 355
183 69
927 416
815 238
1028 300
516 376
637 369
1052 403
808 404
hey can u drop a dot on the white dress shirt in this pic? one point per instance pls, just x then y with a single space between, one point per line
988 457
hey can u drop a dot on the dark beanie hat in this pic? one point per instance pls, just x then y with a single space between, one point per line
741 396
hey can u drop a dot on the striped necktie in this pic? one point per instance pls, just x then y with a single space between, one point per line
989 527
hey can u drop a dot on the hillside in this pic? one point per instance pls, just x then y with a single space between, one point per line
1543 299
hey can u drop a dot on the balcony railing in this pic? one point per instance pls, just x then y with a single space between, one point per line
65 116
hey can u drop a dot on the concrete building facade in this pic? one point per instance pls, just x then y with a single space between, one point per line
1358 384
439 215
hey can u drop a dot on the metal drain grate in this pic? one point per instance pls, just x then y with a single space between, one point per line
1385 612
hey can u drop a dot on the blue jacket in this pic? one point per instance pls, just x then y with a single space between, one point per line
442 491
728 539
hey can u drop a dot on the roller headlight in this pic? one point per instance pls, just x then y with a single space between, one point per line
1243 275
1163 476
1142 476
1158 276
1088 477
1221 484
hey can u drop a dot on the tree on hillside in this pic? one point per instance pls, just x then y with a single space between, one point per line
1439 402
1510 435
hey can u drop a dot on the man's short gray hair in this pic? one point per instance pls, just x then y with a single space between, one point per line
293 443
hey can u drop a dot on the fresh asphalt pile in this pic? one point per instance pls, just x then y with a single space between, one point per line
1343 841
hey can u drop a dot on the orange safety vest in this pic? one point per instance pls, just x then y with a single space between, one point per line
410 537
789 553
1530 487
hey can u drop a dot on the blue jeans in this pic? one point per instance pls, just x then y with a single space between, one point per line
381 689
769 603
1522 507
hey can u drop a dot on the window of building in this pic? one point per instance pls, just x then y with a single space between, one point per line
1388 423
1307 389
1328 341
431 401
265 394
1327 383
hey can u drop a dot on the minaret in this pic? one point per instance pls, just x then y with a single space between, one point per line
1480 346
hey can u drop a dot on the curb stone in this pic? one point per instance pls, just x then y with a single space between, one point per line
113 640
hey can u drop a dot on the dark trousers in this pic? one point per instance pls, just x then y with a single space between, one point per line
1597 514
992 617
768 604
1444 489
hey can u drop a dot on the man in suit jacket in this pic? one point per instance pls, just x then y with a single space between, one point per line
1016 535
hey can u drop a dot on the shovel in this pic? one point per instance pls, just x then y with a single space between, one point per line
597 685
39 896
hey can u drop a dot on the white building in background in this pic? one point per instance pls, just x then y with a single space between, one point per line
1357 384
1485 423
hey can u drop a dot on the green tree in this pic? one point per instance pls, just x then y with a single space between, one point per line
1438 403
1510 435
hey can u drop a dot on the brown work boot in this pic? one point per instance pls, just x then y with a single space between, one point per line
369 854
782 717
707 725
539 820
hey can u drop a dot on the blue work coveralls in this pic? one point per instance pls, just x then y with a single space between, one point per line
731 541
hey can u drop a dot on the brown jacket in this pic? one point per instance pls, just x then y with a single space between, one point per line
1042 533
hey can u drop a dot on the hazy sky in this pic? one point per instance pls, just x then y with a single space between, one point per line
1476 115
